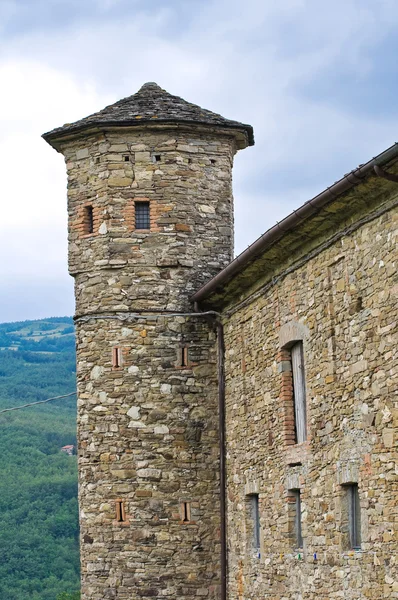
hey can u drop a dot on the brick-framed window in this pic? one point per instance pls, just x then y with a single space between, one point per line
88 220
142 215
120 511
183 360
185 511
117 357
293 393
299 392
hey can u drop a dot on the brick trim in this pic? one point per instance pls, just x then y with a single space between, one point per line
154 214
80 223
286 397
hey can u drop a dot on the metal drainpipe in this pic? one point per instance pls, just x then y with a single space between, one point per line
221 421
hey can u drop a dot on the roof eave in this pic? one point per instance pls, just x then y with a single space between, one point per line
303 213
243 133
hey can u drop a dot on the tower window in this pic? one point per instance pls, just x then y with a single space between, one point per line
295 526
185 511
126 158
120 511
142 215
299 393
88 219
156 158
183 356
352 517
116 357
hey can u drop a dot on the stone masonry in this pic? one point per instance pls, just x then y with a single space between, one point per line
146 370
310 367
337 293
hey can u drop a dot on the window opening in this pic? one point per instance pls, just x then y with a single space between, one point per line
354 515
156 158
88 219
299 392
184 359
185 512
120 512
213 161
255 518
126 158
116 357
142 215
297 521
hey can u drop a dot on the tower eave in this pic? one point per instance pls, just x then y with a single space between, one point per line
243 134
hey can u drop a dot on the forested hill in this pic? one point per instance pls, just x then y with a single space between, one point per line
39 556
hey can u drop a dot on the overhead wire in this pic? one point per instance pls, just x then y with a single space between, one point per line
38 402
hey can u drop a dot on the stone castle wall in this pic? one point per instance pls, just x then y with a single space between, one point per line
148 434
148 427
186 178
342 304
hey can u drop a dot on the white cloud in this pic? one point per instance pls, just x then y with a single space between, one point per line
256 62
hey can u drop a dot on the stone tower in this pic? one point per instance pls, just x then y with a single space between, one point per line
150 220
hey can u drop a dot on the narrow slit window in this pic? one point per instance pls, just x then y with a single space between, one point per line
142 215
185 512
116 357
354 516
88 219
255 520
184 358
120 511
299 392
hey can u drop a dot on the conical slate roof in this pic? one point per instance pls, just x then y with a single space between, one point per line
150 104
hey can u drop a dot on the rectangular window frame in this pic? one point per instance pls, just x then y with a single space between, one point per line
295 518
299 392
88 219
185 511
142 217
353 516
183 361
120 511
117 357
255 527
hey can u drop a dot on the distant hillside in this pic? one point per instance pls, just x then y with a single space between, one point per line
39 557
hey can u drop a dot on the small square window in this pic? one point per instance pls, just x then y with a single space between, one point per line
156 158
142 215
126 158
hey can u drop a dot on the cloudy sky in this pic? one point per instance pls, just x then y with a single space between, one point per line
316 79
